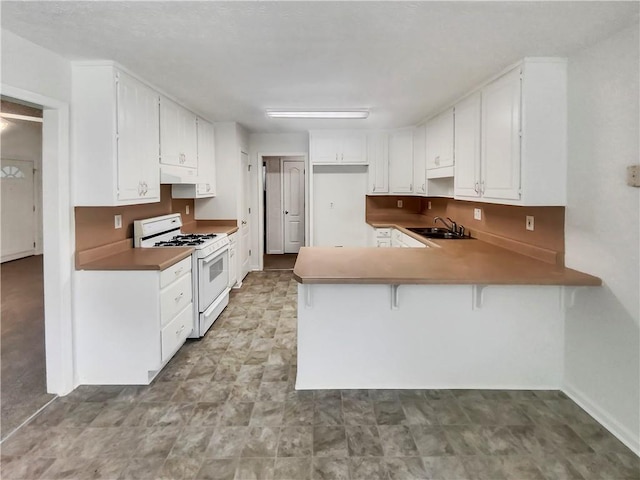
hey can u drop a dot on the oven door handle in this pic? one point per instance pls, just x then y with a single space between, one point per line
214 256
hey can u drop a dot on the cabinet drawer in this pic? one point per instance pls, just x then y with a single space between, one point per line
174 272
176 332
383 232
174 298
383 243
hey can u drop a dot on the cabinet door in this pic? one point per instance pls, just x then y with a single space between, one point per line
378 153
206 159
420 159
440 141
137 140
401 161
501 138
170 132
467 147
353 148
188 138
323 147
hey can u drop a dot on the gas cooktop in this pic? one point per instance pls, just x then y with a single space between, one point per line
186 240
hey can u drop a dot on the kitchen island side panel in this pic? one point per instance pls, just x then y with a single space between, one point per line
438 337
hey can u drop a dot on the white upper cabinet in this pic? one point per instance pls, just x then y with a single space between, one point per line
378 153
500 143
338 147
440 145
467 147
420 159
511 137
115 137
178 143
401 161
206 186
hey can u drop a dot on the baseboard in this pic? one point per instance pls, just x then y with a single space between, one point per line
620 431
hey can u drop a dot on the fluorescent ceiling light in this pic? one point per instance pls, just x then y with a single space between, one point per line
14 116
361 114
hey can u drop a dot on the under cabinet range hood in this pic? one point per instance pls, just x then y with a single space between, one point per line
174 174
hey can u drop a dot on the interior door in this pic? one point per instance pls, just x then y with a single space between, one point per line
293 191
18 211
245 230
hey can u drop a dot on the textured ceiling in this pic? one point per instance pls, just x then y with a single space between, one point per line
232 60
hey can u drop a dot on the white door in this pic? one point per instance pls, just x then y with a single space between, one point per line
467 147
245 230
18 215
501 138
293 191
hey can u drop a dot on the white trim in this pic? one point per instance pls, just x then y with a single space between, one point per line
58 238
621 432
259 173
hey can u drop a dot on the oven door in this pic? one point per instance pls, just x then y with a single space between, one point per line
213 277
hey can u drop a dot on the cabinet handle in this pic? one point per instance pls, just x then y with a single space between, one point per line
341 156
423 188
437 160
179 297
179 271
475 187
208 187
336 157
179 331
411 186
482 187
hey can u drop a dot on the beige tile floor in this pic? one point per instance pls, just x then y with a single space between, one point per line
226 408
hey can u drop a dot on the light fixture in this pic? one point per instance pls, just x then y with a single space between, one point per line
325 114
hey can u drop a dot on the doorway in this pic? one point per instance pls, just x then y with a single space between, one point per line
23 382
284 210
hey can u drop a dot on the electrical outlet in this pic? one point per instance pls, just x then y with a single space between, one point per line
428 205
186 209
399 203
633 176
477 214
529 222
117 221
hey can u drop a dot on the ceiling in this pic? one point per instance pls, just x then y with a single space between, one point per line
232 60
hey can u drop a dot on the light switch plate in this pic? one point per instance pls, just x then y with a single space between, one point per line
117 221
633 175
477 214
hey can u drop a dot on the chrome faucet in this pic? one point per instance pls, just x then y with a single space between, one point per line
452 227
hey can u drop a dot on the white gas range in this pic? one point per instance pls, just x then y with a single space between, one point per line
210 264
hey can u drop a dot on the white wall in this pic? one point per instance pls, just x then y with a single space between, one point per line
603 233
225 204
32 73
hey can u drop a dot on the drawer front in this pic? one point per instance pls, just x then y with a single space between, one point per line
174 298
176 332
384 243
174 272
383 232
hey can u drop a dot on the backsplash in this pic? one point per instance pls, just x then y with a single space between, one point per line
94 225
502 225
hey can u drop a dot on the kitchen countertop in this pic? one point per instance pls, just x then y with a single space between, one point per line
228 229
450 262
140 259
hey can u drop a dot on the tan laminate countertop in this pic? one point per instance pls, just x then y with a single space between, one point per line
140 259
450 262
211 229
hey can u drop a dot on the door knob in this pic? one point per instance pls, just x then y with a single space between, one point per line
244 222
286 212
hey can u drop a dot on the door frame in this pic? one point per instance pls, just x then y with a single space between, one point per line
58 238
261 207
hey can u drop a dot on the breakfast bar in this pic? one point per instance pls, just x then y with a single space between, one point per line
455 315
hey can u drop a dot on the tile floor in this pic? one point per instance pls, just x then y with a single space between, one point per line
226 408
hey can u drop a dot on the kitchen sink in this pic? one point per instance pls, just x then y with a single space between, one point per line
435 232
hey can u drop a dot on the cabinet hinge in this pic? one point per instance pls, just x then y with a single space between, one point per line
34 208
249 252
249 167
117 77
249 209
34 244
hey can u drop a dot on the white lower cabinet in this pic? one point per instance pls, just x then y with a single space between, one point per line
130 323
382 237
402 240
233 259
